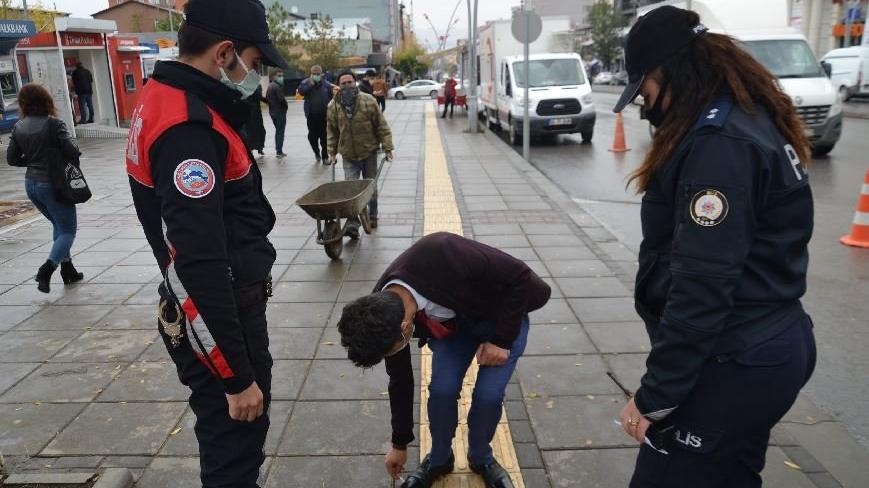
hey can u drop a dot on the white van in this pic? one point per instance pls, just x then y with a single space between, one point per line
787 56
850 70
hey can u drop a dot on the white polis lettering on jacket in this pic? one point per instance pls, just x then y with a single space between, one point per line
689 440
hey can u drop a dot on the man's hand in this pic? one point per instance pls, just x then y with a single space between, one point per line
395 460
389 155
333 158
246 406
489 354
633 422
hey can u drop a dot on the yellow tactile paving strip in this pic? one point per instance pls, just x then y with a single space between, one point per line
442 215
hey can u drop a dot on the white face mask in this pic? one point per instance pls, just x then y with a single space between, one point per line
246 86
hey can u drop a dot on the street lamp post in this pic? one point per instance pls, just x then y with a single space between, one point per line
472 66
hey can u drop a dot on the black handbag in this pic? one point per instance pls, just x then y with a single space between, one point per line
70 185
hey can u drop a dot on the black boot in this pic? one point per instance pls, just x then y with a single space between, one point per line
43 276
69 274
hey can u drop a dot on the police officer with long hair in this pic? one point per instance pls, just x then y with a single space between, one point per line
727 217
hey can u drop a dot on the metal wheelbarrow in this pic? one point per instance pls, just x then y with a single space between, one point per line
331 202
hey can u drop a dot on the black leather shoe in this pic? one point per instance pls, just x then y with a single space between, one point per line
493 474
425 475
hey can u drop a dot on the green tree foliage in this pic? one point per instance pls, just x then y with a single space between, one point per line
284 35
606 25
166 26
410 60
322 45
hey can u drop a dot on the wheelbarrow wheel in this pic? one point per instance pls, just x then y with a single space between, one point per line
332 230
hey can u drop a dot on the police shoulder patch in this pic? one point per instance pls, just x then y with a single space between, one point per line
194 178
708 208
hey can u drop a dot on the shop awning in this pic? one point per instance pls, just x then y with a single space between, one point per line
11 31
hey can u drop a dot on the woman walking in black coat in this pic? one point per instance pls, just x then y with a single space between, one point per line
255 130
38 141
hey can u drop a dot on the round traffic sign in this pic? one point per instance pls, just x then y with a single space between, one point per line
534 25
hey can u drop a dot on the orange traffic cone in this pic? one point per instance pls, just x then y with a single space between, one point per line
619 141
859 236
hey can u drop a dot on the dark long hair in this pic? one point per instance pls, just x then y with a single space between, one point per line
710 66
35 101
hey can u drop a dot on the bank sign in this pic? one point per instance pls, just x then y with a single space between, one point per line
17 29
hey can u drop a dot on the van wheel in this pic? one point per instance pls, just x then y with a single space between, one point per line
492 123
821 150
843 94
587 135
514 135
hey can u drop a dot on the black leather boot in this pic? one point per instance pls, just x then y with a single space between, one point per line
69 274
43 276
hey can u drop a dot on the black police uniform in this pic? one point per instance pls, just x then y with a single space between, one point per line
726 223
200 201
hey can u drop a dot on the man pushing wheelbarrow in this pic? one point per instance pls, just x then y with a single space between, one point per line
356 129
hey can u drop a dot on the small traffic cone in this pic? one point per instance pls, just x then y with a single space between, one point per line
859 236
619 141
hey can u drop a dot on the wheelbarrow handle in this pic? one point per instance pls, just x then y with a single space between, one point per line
376 176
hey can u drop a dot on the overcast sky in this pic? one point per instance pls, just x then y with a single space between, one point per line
439 12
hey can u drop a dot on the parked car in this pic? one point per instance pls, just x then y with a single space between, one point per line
620 78
418 88
850 73
603 78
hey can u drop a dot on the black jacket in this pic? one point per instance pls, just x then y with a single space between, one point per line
276 99
220 240
365 87
726 225
37 142
476 281
254 130
83 81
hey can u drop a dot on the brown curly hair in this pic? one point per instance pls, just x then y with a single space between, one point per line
710 66
35 101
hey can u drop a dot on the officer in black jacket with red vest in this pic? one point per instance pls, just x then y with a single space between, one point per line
199 198
466 300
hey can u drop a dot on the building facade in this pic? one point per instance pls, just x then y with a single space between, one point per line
384 15
135 15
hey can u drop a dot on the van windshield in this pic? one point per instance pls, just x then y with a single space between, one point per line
549 72
786 58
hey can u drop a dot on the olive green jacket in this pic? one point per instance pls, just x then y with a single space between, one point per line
357 138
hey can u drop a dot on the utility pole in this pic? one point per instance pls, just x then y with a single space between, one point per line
472 66
26 15
526 120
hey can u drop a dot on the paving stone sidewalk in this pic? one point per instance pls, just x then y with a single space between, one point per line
85 382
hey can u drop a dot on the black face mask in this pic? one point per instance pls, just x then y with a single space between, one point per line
656 114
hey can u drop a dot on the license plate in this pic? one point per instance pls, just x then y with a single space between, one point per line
560 122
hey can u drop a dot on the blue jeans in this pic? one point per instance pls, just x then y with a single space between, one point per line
280 121
61 215
86 107
363 168
450 361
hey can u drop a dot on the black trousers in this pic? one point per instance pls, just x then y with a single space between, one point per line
382 102
317 136
718 437
231 451
451 103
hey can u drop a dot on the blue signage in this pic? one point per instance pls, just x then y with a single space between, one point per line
16 29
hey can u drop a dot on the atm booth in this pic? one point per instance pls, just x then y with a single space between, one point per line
49 59
124 53
11 31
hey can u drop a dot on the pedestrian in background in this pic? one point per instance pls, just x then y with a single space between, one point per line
357 130
317 93
39 141
449 95
278 106
199 198
727 216
83 81
365 85
380 89
254 130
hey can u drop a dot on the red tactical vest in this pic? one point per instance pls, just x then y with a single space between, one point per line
161 107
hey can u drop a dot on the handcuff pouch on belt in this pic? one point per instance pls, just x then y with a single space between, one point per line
171 328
